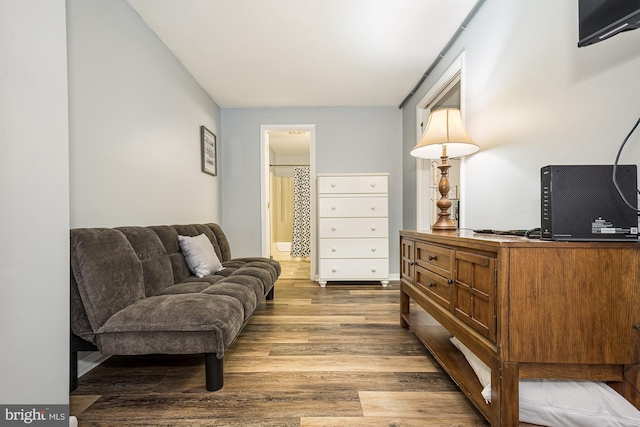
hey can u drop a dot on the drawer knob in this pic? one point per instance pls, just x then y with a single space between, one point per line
373 184
334 269
373 207
334 228
333 184
333 249
373 249
333 208
373 269
449 281
373 228
433 258
430 285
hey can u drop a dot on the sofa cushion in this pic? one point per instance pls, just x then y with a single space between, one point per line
240 292
200 255
271 262
260 273
251 282
165 318
185 288
107 270
156 265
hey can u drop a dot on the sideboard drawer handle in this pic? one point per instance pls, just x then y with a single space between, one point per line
373 269
373 228
334 269
333 249
333 208
373 207
449 281
373 184
333 184
433 258
430 284
334 228
373 249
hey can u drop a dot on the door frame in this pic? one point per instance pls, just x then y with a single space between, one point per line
265 194
423 166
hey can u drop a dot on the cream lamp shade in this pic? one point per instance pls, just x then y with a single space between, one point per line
444 136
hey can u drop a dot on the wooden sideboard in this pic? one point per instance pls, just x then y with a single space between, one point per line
528 308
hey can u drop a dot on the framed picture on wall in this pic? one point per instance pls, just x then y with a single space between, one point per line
208 142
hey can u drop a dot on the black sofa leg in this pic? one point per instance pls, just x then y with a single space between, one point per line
270 294
73 371
214 372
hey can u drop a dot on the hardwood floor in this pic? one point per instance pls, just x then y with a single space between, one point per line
312 357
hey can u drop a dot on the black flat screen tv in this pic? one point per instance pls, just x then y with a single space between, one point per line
601 19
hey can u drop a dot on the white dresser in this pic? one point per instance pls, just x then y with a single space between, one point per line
353 227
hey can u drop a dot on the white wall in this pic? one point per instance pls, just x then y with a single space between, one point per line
348 140
34 204
533 98
135 116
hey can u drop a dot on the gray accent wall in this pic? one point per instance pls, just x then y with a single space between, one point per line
348 140
533 98
134 119
34 204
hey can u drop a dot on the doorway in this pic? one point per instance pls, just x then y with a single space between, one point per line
288 191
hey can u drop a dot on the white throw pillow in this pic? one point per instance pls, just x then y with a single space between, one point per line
562 403
200 256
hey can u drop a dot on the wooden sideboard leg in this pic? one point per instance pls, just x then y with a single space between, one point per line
404 308
505 395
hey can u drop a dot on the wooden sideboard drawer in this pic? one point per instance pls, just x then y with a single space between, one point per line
435 258
352 184
434 286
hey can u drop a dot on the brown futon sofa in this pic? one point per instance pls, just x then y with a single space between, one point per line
133 293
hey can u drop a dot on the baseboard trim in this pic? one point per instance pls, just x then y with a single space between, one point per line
89 361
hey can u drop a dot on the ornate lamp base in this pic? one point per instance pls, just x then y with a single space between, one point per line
444 221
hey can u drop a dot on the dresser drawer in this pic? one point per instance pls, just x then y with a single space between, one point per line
352 184
434 286
353 227
354 248
435 258
355 269
353 207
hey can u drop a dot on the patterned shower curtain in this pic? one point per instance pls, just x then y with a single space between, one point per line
301 240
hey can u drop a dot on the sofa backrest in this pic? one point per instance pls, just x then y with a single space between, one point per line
107 271
169 238
156 265
221 241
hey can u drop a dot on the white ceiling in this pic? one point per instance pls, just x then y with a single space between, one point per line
305 53
290 142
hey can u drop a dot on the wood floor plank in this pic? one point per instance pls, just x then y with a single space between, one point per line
414 404
237 363
264 319
273 337
390 422
347 349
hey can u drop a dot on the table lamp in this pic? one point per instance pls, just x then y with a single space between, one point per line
444 137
